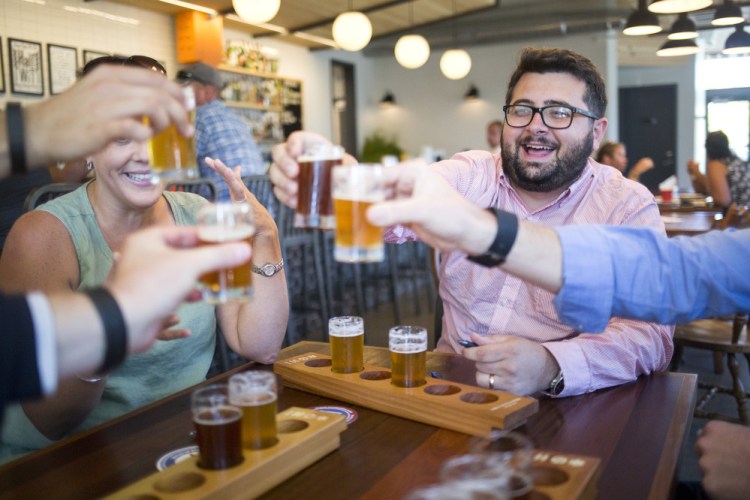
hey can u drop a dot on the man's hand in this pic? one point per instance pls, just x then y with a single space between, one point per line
724 451
520 366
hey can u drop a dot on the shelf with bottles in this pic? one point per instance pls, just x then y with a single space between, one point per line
246 89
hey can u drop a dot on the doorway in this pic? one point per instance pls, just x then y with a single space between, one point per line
344 106
648 127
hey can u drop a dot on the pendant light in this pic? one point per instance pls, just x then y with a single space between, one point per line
677 6
412 51
728 14
455 63
352 30
472 94
672 48
683 29
738 42
256 11
641 22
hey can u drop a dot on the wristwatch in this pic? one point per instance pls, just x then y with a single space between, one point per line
507 230
268 269
557 385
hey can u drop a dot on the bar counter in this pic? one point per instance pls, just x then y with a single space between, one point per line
636 430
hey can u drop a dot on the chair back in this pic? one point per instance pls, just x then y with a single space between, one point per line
736 216
202 187
262 188
43 194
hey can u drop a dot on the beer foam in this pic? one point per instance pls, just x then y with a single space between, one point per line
219 234
346 331
226 414
258 398
408 348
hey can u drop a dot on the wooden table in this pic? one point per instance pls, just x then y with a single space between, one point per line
636 430
688 223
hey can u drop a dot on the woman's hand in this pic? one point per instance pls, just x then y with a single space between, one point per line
172 333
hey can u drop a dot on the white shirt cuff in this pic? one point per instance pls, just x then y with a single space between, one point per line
46 343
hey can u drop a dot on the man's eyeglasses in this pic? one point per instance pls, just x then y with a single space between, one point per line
186 76
556 116
139 61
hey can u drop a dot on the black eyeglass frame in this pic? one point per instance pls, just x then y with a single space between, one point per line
540 110
136 60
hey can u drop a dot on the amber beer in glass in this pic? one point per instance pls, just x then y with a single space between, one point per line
347 338
355 188
217 427
314 201
255 392
408 347
223 223
172 155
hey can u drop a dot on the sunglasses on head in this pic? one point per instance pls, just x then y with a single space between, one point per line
138 61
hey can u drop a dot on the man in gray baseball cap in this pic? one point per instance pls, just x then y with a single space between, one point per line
220 133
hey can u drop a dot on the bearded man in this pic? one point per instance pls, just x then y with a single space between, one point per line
554 120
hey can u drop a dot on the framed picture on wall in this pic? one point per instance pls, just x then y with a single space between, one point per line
61 67
2 69
88 55
25 59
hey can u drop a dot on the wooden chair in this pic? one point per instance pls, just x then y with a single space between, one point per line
48 192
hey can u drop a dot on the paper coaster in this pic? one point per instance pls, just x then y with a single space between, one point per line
176 456
348 413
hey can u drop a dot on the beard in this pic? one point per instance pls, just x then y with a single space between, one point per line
558 173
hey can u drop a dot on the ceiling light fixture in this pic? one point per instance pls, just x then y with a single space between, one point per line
641 22
256 11
472 94
738 42
412 51
455 63
352 30
728 14
672 48
388 100
683 29
677 6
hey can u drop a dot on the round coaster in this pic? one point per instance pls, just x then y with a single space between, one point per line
349 414
176 456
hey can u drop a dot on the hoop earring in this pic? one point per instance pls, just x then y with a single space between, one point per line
89 166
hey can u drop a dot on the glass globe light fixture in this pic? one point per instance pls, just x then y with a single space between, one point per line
352 31
455 64
412 51
256 11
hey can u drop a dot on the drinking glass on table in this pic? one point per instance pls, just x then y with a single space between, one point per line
314 200
221 223
347 338
172 155
254 391
217 427
408 347
355 188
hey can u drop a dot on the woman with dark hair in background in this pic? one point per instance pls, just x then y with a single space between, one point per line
727 177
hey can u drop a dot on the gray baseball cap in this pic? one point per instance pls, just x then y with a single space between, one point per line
200 72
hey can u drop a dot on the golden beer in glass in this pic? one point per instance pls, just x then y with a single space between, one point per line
255 393
223 223
408 348
346 335
355 188
314 200
172 155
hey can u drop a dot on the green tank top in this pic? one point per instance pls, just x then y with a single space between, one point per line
166 368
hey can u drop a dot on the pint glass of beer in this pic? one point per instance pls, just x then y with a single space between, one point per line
172 155
355 188
255 392
347 337
314 201
217 426
408 346
222 223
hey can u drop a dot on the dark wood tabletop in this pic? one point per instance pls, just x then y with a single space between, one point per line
689 223
636 430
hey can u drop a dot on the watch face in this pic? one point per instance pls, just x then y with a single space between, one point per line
268 269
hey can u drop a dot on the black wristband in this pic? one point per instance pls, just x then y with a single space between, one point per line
16 141
507 230
115 330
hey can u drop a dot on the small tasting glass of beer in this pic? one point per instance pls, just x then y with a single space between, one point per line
347 337
223 223
255 392
488 469
355 188
408 346
172 155
217 426
314 201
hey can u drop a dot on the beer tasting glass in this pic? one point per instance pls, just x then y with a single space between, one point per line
172 155
347 337
222 223
254 392
217 427
488 469
355 188
314 201
408 347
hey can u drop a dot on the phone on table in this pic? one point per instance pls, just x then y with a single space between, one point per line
467 343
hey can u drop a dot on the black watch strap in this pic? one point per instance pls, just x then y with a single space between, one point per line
507 230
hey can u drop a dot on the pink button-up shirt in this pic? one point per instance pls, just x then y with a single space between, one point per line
490 301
